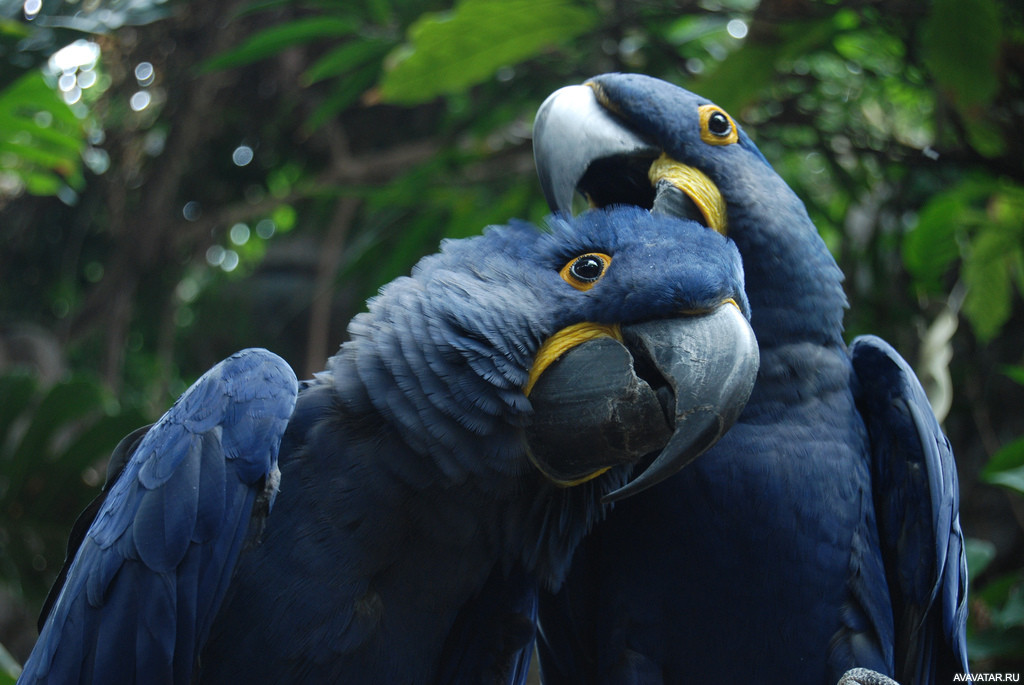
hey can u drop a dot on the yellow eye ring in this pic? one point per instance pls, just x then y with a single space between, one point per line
716 126
584 271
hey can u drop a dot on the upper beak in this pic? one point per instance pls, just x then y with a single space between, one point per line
579 144
572 130
674 385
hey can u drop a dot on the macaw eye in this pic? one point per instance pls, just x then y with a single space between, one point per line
718 124
584 271
716 127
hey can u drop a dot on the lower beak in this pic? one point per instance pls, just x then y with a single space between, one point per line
671 387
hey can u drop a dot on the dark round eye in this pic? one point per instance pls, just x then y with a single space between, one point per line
584 271
719 124
717 127
587 268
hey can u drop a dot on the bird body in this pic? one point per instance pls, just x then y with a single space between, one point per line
822 532
388 521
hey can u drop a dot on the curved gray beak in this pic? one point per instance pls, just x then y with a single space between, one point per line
572 130
672 387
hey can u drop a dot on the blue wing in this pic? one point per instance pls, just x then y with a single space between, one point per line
151 570
492 638
917 501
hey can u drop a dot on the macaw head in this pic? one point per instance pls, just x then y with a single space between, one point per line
592 345
636 140
633 139
653 353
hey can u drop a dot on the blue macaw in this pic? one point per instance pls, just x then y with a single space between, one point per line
391 519
822 532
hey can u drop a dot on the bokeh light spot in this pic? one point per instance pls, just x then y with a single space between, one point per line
86 78
230 261
737 28
215 255
144 73
80 54
239 234
242 155
192 210
265 228
140 101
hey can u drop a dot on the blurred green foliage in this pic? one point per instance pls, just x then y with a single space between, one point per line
976 223
448 52
249 172
997 625
9 668
1006 466
41 140
53 442
997 628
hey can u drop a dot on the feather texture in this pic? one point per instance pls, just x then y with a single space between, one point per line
821 533
148 578
410 532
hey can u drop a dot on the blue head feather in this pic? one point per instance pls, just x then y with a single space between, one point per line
444 353
795 285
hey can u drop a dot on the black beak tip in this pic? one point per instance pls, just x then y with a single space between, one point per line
709 394
702 429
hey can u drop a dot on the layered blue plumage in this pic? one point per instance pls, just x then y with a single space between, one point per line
142 592
822 532
410 532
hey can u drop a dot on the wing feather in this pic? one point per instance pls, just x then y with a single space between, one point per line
917 500
151 570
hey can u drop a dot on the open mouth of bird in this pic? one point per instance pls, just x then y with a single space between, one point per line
656 394
621 180
640 180
582 148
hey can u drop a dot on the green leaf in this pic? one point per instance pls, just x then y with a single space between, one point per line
346 91
448 52
930 247
1015 373
994 257
1012 613
258 6
13 29
343 59
42 184
63 404
9 668
1012 479
738 79
276 38
960 42
933 243
284 216
980 554
1006 467
93 444
979 219
34 157
44 156
983 134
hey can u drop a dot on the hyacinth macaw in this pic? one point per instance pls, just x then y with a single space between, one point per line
822 532
391 519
